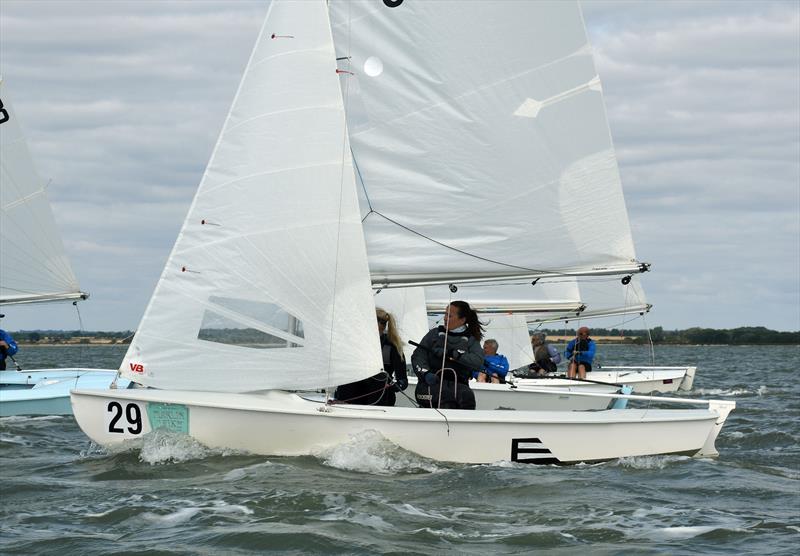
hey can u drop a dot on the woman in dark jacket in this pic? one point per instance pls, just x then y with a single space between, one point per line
380 389
449 353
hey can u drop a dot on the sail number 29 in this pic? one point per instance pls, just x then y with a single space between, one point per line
124 420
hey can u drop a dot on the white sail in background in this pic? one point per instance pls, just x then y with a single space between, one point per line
512 336
604 297
267 285
407 306
544 297
33 264
480 140
547 301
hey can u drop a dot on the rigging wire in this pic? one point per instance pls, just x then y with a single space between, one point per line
461 251
650 340
82 352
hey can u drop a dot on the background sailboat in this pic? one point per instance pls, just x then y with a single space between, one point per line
593 302
33 269
268 285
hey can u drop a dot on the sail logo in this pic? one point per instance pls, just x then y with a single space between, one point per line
4 117
137 368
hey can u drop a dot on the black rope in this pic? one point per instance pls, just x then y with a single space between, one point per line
450 247
462 251
361 179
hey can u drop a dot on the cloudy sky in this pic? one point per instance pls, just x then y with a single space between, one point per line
122 103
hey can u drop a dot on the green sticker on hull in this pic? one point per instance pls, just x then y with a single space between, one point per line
169 417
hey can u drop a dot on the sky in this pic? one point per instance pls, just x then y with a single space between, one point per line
122 102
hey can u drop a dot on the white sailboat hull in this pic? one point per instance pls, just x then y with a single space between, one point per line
524 398
643 379
282 424
46 391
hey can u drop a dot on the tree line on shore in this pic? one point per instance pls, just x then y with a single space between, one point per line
744 335
749 335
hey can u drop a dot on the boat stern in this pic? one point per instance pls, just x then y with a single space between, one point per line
723 409
688 379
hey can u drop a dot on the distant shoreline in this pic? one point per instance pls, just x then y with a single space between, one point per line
741 336
551 339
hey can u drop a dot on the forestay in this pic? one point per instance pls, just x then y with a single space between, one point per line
267 285
464 147
33 266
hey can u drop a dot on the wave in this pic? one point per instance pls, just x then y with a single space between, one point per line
369 452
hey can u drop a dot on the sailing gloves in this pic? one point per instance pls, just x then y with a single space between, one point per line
401 384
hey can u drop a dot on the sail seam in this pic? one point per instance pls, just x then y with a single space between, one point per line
209 189
287 111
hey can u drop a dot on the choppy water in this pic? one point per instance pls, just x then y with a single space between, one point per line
61 495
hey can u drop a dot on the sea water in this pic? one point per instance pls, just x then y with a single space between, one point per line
61 494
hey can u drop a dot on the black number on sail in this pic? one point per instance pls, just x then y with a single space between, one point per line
4 117
115 406
392 3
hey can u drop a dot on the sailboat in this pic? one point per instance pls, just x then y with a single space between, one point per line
410 313
357 142
33 269
565 300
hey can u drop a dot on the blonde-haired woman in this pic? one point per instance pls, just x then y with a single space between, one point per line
380 389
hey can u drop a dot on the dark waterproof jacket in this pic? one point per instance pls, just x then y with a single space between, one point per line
373 390
464 354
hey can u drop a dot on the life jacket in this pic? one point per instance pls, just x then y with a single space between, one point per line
543 361
541 353
455 395
458 341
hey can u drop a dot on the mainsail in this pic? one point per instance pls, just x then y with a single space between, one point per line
267 285
33 264
480 141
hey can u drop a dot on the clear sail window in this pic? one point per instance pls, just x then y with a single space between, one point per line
248 323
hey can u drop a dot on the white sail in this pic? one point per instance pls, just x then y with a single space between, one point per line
547 301
603 297
480 140
544 297
33 264
407 305
267 285
512 336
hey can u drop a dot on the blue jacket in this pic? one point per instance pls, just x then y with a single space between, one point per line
12 345
494 365
581 356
